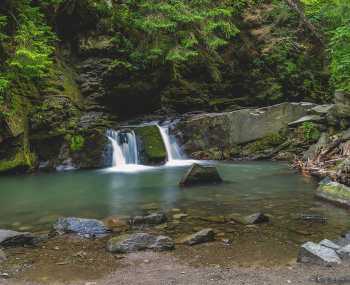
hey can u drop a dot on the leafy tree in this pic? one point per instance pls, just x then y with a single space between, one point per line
333 17
174 32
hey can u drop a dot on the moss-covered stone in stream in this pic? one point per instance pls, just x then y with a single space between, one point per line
334 192
153 149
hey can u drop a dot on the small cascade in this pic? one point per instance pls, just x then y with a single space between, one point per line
124 151
174 153
124 147
172 148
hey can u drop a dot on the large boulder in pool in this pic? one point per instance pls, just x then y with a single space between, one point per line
83 227
139 241
13 238
334 192
318 254
199 174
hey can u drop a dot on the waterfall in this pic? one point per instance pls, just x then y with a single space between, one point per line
124 148
125 154
172 148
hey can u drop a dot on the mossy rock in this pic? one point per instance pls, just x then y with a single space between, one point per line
21 162
334 192
267 143
153 148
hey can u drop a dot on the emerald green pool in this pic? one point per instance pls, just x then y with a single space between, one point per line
33 202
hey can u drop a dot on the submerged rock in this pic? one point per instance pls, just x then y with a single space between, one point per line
257 218
116 224
334 192
202 236
199 174
3 256
152 219
344 252
139 241
313 218
317 254
13 238
83 227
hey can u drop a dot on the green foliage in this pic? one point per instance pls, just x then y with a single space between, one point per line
333 17
76 142
34 44
173 32
310 131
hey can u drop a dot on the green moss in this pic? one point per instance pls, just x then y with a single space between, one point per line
269 141
335 192
21 161
153 144
76 142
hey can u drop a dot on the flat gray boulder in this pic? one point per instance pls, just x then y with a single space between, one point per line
13 238
138 242
322 109
202 236
201 132
309 118
199 175
83 227
330 244
317 254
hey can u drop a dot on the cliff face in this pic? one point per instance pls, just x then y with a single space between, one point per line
100 75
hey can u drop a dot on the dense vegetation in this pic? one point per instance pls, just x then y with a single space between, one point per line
66 62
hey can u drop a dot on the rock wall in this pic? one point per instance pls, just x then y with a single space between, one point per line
229 129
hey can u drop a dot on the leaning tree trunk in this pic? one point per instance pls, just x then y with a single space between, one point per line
296 6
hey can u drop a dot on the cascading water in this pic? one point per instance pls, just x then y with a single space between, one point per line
125 154
124 147
174 153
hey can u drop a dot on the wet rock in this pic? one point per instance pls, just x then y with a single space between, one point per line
330 244
202 236
313 218
116 224
179 216
322 109
199 174
139 241
334 192
152 219
13 238
214 219
317 254
3 256
257 218
344 252
83 227
309 118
